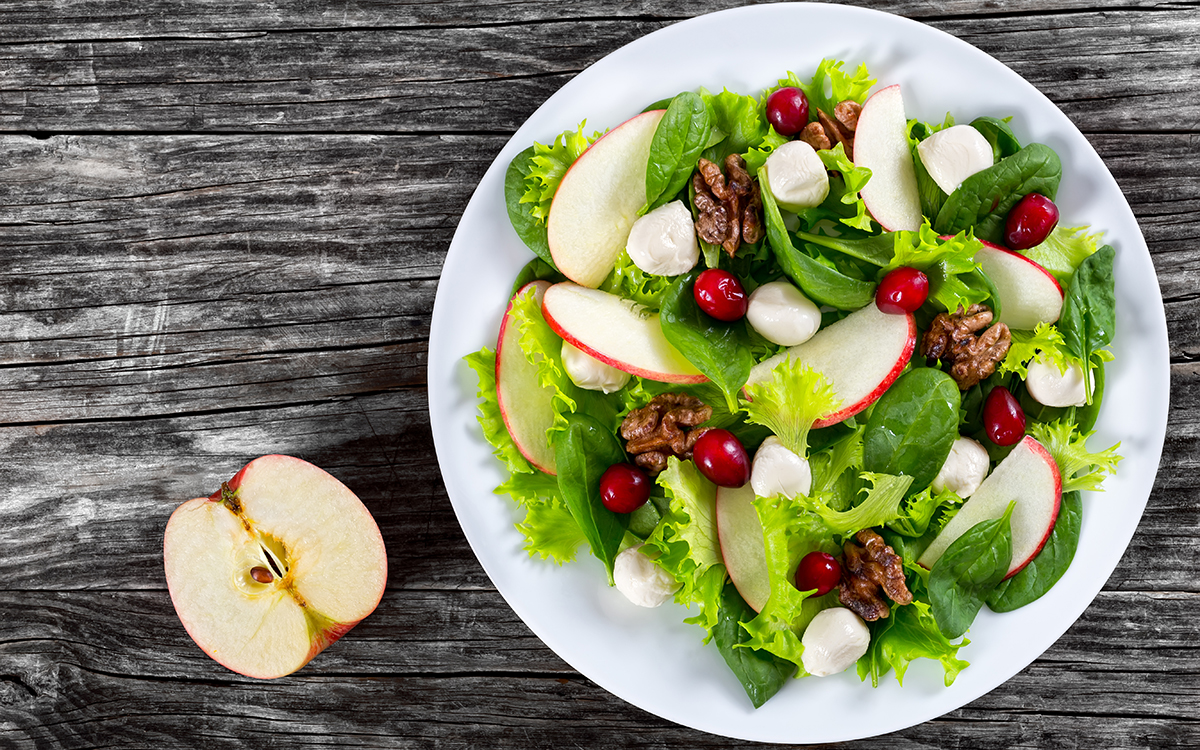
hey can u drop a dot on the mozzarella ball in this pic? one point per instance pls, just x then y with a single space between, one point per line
642 581
782 314
663 242
587 372
964 470
954 154
1050 387
834 640
778 471
797 176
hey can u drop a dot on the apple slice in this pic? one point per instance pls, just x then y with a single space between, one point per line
525 404
881 145
742 545
617 332
861 355
1029 294
598 200
274 567
1027 475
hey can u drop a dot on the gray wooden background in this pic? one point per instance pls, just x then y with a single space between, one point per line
221 228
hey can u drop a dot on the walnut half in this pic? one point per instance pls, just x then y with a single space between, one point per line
664 428
955 339
728 203
866 569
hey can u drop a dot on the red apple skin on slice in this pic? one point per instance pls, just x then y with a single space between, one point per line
598 200
616 332
1029 294
742 544
881 145
310 535
861 355
1029 476
525 404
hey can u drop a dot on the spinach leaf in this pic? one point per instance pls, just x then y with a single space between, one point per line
999 135
819 283
1088 317
529 228
1085 416
984 199
931 194
968 571
681 135
718 349
913 426
660 104
582 453
760 672
1043 571
876 250
536 270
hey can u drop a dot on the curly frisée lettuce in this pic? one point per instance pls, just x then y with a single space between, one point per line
789 402
1080 468
955 279
831 85
549 164
910 633
881 505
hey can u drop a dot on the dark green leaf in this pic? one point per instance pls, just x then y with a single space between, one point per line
536 270
999 135
968 571
582 453
680 137
984 199
719 350
531 231
913 426
1036 578
876 250
1085 416
660 104
1088 317
760 672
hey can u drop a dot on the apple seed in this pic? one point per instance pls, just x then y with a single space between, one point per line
261 574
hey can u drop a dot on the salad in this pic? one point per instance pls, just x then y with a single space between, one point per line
819 373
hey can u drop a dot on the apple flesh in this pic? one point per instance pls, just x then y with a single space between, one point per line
1029 294
598 200
526 405
881 145
1029 476
274 567
861 355
743 547
617 332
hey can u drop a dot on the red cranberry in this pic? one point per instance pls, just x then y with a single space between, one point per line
1030 222
624 488
903 290
720 457
820 571
720 294
787 110
1003 417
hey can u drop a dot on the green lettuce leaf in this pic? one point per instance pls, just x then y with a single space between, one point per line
1080 468
910 633
918 510
853 180
830 86
881 504
1063 251
758 155
790 402
946 262
549 164
530 489
740 118
550 531
1026 345
628 281
483 362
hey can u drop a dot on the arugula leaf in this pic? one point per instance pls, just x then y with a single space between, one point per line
983 200
681 135
789 402
1044 570
970 568
546 169
583 451
1063 251
761 673
529 227
830 85
1080 468
1044 342
491 421
550 531
1089 314
882 504
913 426
910 633
997 132
628 281
718 349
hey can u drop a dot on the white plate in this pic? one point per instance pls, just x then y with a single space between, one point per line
650 658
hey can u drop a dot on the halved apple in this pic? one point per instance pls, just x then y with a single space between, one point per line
1029 294
274 567
1029 476
861 355
881 145
525 404
742 544
598 199
617 332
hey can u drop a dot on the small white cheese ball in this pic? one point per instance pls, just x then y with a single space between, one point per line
964 470
1050 387
954 154
663 242
778 471
797 176
835 639
782 314
587 372
642 581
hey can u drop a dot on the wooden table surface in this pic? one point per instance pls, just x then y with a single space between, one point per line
221 228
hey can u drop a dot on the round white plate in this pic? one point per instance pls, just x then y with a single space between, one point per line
650 658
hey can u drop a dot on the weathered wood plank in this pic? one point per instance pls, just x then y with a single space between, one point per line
1111 71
